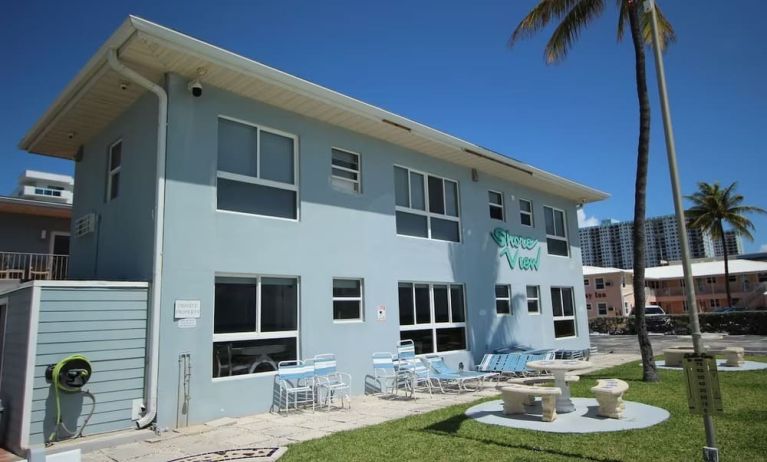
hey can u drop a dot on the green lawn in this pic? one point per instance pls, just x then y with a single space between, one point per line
447 434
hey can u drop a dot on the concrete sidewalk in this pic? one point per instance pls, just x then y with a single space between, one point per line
272 430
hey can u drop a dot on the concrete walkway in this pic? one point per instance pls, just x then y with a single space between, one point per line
271 430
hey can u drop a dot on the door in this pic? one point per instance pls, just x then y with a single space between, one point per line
60 244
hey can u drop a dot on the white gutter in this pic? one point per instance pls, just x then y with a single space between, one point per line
159 227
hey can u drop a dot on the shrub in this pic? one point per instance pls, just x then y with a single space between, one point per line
736 323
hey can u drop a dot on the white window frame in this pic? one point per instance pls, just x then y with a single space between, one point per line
427 213
599 309
258 180
537 300
257 334
554 236
506 299
360 300
358 172
525 212
597 284
501 206
112 172
432 324
563 317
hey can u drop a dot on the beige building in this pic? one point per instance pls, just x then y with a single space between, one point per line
609 291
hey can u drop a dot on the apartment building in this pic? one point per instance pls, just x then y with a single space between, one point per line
609 291
732 241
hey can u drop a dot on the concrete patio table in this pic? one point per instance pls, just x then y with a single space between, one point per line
559 369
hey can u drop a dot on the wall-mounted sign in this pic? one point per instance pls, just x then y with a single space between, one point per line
381 312
186 309
511 245
186 323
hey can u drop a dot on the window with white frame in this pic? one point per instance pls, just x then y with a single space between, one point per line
602 309
502 299
556 231
113 172
585 282
714 303
347 300
533 299
526 212
563 311
345 170
255 324
257 170
432 316
495 201
599 283
426 205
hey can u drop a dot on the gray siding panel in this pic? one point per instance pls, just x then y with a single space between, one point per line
108 326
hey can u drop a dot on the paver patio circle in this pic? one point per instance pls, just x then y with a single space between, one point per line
583 420
720 366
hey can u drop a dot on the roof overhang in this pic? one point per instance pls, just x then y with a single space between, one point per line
96 97
19 206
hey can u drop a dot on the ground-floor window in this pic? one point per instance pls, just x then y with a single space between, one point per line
347 300
563 310
602 309
432 316
255 324
533 299
502 299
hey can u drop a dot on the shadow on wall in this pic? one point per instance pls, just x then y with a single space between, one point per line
73 407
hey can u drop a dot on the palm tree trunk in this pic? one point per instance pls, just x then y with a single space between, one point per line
649 372
726 264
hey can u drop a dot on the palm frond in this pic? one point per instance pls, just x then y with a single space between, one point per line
713 206
539 17
665 29
567 32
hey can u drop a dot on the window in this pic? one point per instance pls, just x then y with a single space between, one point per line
495 200
710 280
602 309
432 316
732 278
345 170
502 299
585 282
714 303
255 324
599 283
426 206
257 170
526 212
113 172
347 300
563 309
533 299
762 277
588 306
556 231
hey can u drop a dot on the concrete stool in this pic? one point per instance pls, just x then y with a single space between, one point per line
609 395
515 395
734 355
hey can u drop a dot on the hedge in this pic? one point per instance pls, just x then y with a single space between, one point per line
737 323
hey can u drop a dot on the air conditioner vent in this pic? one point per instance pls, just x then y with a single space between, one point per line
84 225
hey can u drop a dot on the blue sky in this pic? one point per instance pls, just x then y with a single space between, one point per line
445 64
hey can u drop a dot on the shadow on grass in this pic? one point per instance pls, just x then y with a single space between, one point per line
451 426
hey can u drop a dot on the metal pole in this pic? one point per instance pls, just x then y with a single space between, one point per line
678 207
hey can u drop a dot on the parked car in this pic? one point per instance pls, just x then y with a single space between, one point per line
727 309
651 310
655 319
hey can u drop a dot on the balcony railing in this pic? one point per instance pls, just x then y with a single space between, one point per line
33 266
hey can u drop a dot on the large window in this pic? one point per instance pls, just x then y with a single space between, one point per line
502 299
255 324
113 172
526 212
563 309
426 205
257 169
556 231
432 316
533 299
345 171
347 300
495 201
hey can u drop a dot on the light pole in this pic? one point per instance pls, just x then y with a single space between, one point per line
689 284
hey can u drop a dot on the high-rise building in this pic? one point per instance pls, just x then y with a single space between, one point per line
733 242
610 244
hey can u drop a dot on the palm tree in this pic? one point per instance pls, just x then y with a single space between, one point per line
712 208
573 16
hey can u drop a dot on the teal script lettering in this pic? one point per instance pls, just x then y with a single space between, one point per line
511 244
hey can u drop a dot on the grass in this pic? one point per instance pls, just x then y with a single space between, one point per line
446 434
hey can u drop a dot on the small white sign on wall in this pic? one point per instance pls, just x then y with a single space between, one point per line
381 313
186 323
187 309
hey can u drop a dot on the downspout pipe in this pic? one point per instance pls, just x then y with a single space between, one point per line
159 228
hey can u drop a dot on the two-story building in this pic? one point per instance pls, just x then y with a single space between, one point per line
609 291
276 219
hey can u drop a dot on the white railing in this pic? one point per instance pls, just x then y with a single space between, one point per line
31 266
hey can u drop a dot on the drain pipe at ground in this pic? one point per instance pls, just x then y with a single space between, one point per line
159 216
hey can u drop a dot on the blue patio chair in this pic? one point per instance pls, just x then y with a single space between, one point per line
441 372
414 373
295 380
384 371
330 383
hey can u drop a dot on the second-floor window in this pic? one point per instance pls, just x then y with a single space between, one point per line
495 200
257 170
600 283
556 231
113 174
345 170
426 205
526 212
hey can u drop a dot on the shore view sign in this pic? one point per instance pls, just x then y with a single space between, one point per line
521 252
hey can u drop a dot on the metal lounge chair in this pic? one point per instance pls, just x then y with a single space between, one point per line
441 370
384 371
331 384
295 380
415 374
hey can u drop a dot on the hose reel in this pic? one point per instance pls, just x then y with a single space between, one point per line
70 376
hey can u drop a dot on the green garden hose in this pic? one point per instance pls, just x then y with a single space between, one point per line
77 378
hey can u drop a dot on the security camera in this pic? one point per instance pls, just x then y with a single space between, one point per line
124 85
195 87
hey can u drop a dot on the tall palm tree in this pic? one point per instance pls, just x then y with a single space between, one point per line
572 17
712 208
